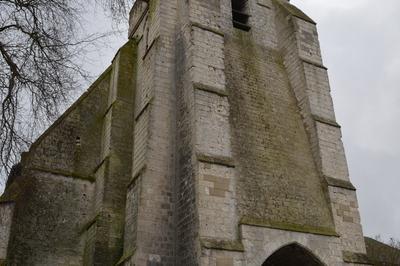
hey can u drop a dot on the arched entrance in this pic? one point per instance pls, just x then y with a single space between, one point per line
292 255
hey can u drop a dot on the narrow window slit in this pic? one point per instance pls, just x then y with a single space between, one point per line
239 14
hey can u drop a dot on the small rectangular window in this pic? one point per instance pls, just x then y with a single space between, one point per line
240 16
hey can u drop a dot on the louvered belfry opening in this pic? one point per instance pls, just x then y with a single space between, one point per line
239 14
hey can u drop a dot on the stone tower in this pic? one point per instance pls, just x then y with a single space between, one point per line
210 140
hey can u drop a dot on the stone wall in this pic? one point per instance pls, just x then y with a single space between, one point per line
150 224
53 194
277 178
69 205
6 214
274 165
186 216
113 172
49 215
72 145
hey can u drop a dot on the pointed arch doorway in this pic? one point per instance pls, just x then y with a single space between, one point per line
292 255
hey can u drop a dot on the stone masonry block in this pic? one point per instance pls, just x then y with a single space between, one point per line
207 58
332 151
217 201
307 41
318 92
212 124
6 214
224 262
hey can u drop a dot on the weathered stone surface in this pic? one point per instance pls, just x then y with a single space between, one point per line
276 170
202 144
6 214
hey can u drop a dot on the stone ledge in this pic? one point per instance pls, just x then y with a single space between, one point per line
228 245
150 47
206 28
288 227
221 160
111 106
263 5
325 121
101 164
144 108
136 175
334 182
357 258
64 115
140 19
211 89
126 257
304 60
88 224
62 173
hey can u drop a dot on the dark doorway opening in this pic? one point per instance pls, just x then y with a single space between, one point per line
292 255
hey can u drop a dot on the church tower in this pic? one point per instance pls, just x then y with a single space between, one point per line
211 140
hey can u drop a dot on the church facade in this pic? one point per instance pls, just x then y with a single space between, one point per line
210 140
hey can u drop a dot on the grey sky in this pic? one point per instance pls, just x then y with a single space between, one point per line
360 42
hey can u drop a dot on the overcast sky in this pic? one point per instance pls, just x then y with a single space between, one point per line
360 41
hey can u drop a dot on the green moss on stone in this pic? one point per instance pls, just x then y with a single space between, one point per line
288 226
268 133
15 189
125 257
61 172
334 182
247 52
221 160
75 105
357 258
222 245
211 29
126 80
152 8
89 224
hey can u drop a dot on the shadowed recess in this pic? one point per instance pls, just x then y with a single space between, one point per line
292 255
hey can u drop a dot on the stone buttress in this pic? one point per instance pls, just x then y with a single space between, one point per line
66 205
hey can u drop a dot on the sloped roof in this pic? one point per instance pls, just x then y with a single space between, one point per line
382 254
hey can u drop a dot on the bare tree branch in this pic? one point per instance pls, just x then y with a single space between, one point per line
117 9
40 67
